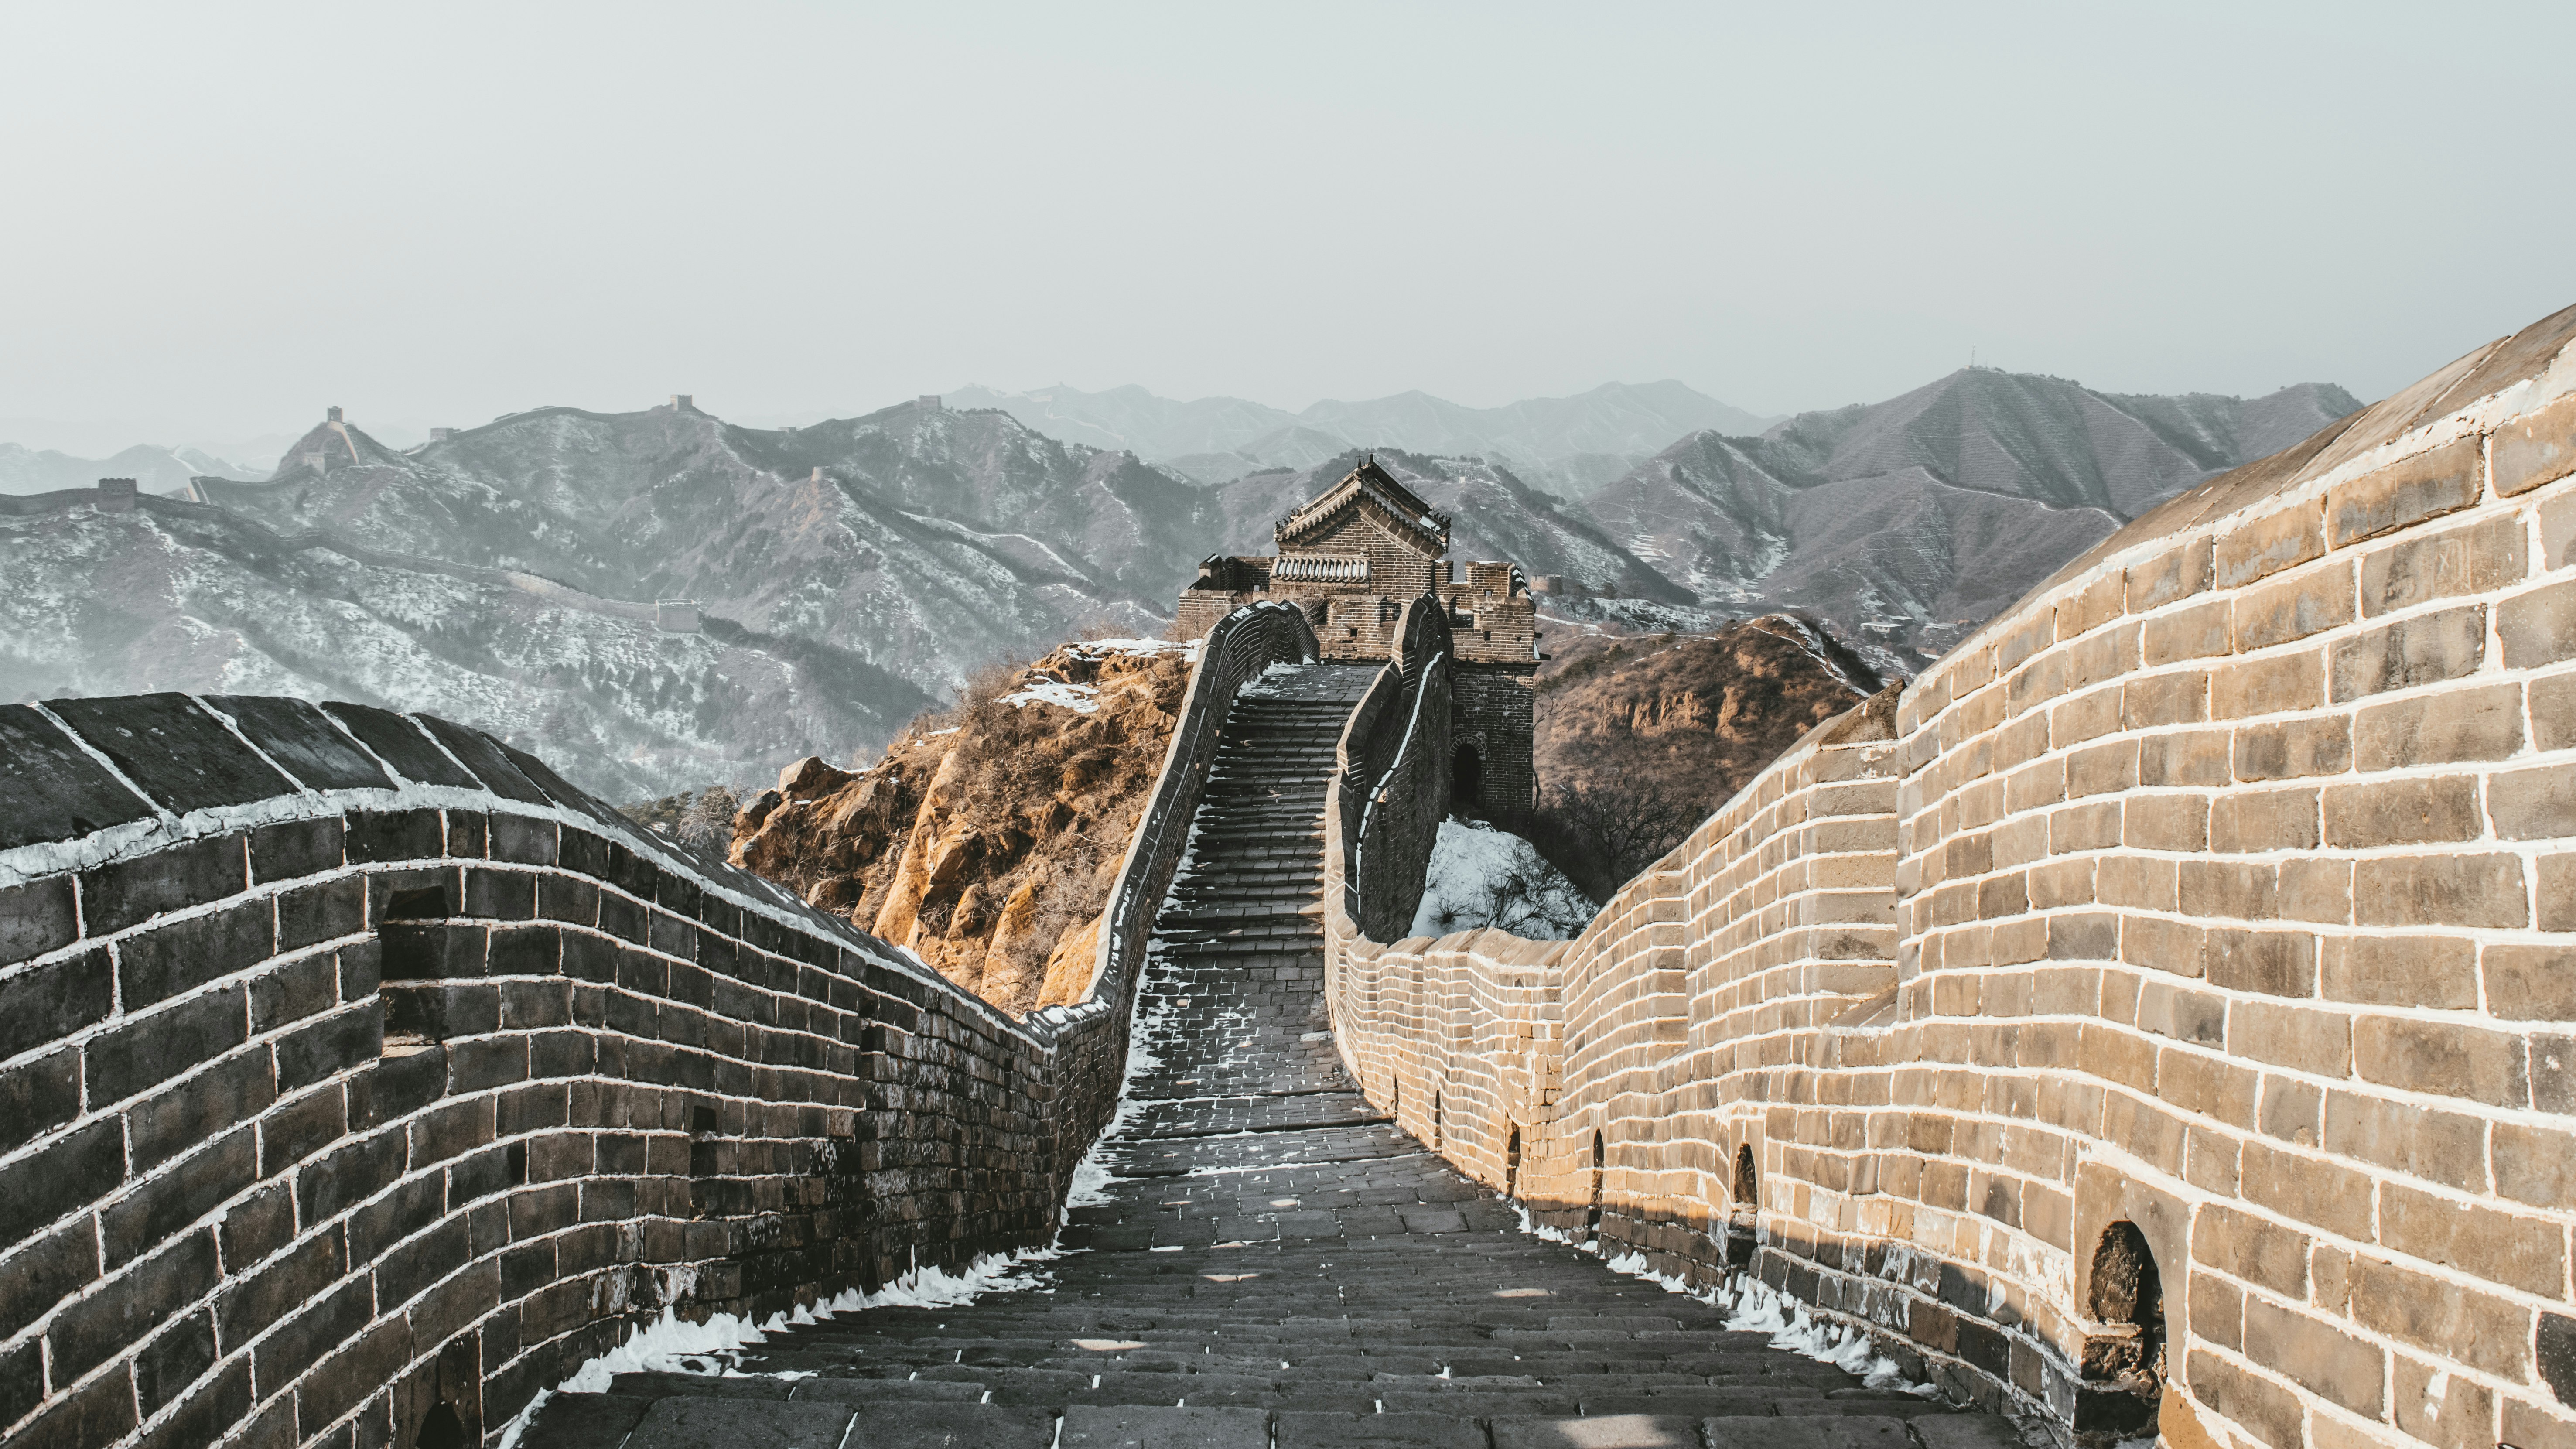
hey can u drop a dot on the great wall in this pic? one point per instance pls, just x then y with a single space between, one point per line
2153 1019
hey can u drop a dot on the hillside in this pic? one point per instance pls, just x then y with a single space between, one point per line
1565 445
925 540
1640 737
1908 522
154 469
176 596
987 838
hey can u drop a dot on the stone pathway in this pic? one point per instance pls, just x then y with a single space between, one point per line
1276 1264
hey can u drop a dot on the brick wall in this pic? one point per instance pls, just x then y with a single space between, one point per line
2212 911
351 1064
1393 760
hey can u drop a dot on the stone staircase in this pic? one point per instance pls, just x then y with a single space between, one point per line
1275 1263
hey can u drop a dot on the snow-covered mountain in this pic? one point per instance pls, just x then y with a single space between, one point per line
154 469
1566 445
926 540
1910 521
853 571
180 596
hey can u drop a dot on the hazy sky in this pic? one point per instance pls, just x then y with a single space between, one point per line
222 218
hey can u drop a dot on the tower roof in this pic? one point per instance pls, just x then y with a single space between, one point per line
1370 487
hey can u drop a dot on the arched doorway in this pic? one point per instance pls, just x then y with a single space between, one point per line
2127 1302
1744 1213
1466 781
440 1429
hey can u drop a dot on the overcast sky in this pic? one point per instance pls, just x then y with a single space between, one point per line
222 218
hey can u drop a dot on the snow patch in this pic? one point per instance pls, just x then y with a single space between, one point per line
1484 876
672 1344
1753 1306
1080 698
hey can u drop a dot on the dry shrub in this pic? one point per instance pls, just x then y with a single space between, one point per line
991 830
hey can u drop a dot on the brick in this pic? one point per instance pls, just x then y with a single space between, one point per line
2526 1253
94 1329
51 1002
250 1304
325 1048
2538 627
2437 1146
2436 729
2184 757
2199 632
156 1209
173 1360
2410 652
2252 822
2536 1165
2168 1009
2440 890
2478 559
36 918
323 911
2440 1408
2217 1311
2528 983
2444 1059
2536 448
2304 1189
2291 609
38 1096
295 848
2102 769
2174 947
2177 573
127 892
197 1108
2414 811
99 1412
2274 685
2405 493
2275 963
2292 1111
2557 893
2293 749
2434 971
2316 890
2239 890
2170 822
2325 1361
2477 1329
2272 1414
181 955
2553 712
2261 547
2241 1245
2164 699
2534 804
144 1052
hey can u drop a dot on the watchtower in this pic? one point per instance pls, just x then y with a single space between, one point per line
1350 557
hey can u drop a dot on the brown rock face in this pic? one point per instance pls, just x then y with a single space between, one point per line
1641 736
988 836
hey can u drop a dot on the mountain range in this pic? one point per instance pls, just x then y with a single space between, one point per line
1566 445
850 572
154 469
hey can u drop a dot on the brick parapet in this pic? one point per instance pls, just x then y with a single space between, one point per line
618 1079
2222 889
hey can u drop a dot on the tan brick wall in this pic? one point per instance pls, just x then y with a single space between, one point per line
2223 888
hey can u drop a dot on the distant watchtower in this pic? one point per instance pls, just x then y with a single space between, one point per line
116 495
1350 557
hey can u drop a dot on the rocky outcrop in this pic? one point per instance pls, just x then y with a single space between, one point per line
986 839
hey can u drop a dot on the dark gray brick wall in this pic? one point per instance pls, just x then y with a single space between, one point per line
387 1070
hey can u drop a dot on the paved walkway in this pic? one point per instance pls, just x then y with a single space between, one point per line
1276 1265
